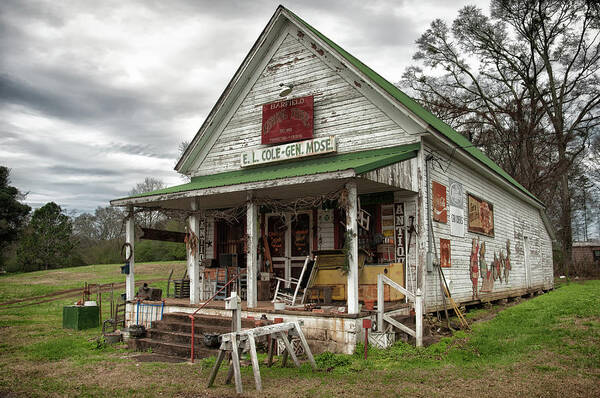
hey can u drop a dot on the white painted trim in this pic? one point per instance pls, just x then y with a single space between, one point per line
140 201
130 238
193 262
252 251
272 29
239 98
352 228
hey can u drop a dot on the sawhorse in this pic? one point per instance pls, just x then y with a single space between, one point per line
238 342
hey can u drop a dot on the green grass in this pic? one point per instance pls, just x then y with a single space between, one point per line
31 284
536 346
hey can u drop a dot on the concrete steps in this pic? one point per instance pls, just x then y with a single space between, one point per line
172 335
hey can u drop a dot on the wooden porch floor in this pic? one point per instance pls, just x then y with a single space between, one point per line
268 308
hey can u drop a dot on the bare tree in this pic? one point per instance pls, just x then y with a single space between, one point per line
523 84
183 145
149 219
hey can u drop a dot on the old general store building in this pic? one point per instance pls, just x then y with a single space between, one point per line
309 152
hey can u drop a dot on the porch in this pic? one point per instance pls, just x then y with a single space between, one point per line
325 330
275 208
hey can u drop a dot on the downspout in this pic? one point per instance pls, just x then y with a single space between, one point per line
430 254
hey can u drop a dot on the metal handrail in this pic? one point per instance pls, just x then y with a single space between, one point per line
204 305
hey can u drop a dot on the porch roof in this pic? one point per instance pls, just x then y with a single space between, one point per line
360 162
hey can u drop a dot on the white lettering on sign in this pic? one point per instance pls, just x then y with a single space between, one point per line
293 150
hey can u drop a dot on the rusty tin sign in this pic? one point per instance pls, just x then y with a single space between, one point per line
287 120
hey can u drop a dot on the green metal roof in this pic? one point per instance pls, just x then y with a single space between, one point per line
360 162
416 108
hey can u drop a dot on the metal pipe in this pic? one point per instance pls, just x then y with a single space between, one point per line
366 342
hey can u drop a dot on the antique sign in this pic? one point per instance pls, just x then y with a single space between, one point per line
400 232
456 209
293 150
440 213
287 120
445 253
481 216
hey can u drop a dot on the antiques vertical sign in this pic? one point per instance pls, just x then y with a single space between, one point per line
287 120
457 209
399 232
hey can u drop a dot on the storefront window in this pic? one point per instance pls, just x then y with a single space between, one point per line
276 229
301 235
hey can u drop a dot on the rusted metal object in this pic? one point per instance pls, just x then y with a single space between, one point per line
367 324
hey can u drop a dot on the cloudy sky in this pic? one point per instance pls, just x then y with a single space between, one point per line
97 95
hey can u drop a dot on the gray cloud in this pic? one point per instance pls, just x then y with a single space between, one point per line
95 96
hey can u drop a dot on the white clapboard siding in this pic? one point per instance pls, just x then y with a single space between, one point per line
339 109
513 219
325 228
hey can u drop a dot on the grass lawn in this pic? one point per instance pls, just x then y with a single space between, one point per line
30 284
546 346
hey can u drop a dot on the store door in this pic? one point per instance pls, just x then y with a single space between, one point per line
290 241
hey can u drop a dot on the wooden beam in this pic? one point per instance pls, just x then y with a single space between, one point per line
162 235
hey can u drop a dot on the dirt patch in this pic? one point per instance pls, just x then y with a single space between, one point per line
157 358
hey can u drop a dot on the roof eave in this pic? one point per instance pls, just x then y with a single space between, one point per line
183 162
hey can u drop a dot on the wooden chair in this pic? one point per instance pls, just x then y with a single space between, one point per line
290 295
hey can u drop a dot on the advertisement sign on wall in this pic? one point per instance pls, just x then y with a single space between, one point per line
440 212
445 253
456 208
287 120
481 216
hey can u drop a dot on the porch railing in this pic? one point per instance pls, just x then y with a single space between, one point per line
417 299
204 305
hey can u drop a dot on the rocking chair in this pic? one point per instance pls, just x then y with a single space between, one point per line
290 295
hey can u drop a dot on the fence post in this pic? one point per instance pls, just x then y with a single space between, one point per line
380 303
419 318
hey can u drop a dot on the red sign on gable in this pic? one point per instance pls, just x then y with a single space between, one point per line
287 120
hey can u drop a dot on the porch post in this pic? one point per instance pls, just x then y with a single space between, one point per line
352 233
129 253
252 250
192 256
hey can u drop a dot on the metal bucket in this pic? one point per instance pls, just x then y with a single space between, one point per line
113 338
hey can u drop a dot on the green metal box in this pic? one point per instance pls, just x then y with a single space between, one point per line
81 317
